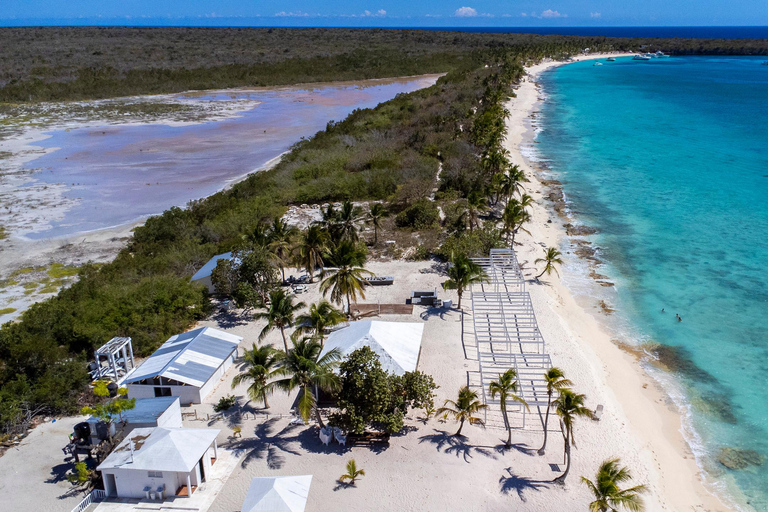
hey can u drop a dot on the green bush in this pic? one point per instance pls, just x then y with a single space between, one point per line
225 403
422 214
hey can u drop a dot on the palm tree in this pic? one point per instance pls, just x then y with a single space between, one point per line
608 495
514 217
551 257
462 274
501 185
555 379
347 278
569 405
320 316
375 217
279 314
517 177
281 237
352 473
311 246
506 387
463 409
304 368
261 363
476 205
346 219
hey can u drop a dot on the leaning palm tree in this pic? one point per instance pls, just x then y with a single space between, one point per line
320 316
347 278
303 368
279 313
261 364
551 257
464 408
517 177
569 406
281 238
506 387
555 379
608 496
352 473
375 217
347 221
462 274
312 243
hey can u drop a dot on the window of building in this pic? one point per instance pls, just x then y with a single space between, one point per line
162 391
155 474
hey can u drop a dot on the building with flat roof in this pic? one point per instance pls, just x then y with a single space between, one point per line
188 366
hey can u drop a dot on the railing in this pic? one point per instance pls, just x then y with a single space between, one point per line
94 496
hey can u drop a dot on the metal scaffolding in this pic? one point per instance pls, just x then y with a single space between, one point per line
503 271
506 322
118 354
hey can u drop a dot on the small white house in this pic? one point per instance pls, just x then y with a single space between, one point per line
148 412
203 275
188 366
398 344
159 462
277 494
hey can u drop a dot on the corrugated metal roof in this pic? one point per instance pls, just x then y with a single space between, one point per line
161 449
191 357
149 409
206 270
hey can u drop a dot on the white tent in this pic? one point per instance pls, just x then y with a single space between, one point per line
398 344
277 494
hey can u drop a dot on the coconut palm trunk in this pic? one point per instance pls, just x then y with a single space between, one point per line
566 438
461 426
285 341
546 423
508 444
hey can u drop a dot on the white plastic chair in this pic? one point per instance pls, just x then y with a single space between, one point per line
340 437
598 413
325 436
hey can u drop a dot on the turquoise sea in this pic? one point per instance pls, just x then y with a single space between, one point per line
668 158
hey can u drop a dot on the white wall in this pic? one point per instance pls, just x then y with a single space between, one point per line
211 383
171 418
207 282
186 394
131 482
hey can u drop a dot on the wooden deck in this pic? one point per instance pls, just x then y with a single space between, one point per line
381 309
184 491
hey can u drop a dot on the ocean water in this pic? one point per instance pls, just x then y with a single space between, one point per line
668 158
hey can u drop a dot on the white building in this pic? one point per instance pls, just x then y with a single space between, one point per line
159 462
277 494
188 366
398 344
203 275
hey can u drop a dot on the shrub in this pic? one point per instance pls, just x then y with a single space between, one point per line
225 402
422 214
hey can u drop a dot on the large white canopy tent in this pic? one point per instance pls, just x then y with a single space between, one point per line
277 494
398 344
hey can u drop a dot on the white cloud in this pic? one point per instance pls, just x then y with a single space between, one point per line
465 12
299 14
523 14
377 14
549 13
594 15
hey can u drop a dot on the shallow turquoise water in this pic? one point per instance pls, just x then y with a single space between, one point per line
669 160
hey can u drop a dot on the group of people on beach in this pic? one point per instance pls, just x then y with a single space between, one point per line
679 318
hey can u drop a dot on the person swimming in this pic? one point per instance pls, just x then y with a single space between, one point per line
679 318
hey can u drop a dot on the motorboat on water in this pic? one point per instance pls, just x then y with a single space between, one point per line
660 55
597 64
611 59
641 56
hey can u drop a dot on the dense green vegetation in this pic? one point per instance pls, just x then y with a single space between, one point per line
62 63
391 153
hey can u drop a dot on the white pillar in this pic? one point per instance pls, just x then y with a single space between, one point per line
189 486
215 450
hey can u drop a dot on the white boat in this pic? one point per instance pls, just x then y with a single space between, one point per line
660 55
641 56
597 64
611 59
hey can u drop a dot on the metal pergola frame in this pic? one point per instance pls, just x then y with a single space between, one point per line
502 270
119 355
505 320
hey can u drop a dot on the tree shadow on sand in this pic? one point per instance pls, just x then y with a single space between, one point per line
449 443
267 444
229 319
519 484
519 447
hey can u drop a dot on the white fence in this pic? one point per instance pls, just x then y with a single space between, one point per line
94 496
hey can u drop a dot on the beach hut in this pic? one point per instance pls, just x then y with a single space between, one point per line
398 344
203 276
188 365
277 494
158 462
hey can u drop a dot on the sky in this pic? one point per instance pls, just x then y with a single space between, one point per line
388 13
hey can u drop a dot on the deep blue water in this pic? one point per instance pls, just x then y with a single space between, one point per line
669 160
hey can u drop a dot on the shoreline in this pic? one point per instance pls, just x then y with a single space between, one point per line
655 423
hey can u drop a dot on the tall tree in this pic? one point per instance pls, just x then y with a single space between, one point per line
462 274
517 177
312 243
550 259
476 206
513 218
609 497
321 315
279 314
464 408
347 221
347 278
281 237
260 365
506 387
555 379
376 215
569 406
303 368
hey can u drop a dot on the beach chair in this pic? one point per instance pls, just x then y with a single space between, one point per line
325 436
598 413
340 437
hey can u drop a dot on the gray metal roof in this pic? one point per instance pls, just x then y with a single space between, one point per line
191 357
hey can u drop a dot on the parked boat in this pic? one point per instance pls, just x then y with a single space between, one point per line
660 55
611 59
641 56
